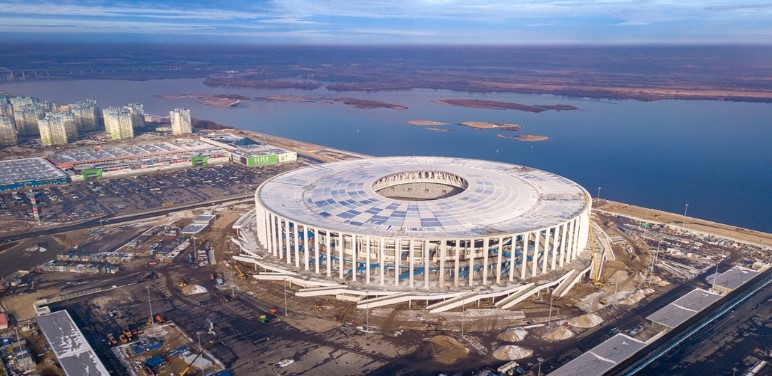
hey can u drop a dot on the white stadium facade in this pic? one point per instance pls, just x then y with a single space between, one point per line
435 226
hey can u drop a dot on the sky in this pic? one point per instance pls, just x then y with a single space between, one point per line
374 22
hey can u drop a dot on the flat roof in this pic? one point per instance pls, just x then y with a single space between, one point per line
70 346
499 198
735 277
600 359
193 228
204 218
28 169
111 152
684 308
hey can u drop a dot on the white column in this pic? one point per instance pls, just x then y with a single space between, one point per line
353 257
280 238
563 243
554 248
297 244
316 250
499 260
512 249
443 254
577 241
287 241
367 260
305 245
471 250
268 233
570 242
486 245
382 261
397 257
545 253
328 245
341 245
412 263
426 264
536 252
524 255
457 266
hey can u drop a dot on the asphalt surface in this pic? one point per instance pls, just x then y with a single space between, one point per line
122 219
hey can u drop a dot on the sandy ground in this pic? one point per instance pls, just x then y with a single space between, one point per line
447 350
693 224
313 324
21 305
426 122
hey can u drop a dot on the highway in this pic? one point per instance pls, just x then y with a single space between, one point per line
124 218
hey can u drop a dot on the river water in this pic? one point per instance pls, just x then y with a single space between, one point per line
716 156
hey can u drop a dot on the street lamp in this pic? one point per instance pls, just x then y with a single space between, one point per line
549 318
286 309
539 360
199 341
598 199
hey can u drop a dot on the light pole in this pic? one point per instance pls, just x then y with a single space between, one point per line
549 318
463 314
715 276
686 208
286 309
539 360
149 305
199 341
598 199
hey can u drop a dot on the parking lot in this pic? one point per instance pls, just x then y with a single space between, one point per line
106 198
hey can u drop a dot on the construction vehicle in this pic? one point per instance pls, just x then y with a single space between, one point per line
263 319
273 310
182 282
241 274
159 319
111 339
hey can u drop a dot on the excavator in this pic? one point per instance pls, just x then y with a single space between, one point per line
241 274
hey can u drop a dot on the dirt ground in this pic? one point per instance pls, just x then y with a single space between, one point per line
447 350
694 224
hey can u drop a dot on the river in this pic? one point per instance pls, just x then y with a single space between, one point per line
714 155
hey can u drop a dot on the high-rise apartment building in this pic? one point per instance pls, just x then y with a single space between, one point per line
6 108
8 134
137 114
180 118
57 128
27 117
118 122
87 115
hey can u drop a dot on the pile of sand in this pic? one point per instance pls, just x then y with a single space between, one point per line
194 290
654 280
648 291
447 350
513 334
633 298
560 333
589 320
511 352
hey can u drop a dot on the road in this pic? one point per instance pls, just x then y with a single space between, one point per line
123 218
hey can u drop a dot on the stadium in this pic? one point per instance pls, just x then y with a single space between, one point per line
410 224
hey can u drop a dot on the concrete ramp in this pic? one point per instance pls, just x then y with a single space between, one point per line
527 293
454 302
523 289
384 300
569 280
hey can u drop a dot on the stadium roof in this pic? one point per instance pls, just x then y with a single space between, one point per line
684 308
29 169
70 346
499 198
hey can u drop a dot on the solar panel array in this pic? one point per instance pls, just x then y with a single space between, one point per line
29 169
501 198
